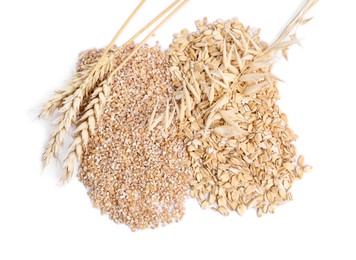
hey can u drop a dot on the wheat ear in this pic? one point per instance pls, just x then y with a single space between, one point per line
58 98
102 67
86 125
70 109
67 116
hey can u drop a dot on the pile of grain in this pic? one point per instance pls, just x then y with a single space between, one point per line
240 147
149 126
138 177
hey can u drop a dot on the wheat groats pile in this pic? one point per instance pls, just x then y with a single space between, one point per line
137 176
200 119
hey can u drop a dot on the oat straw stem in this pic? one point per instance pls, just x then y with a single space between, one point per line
149 36
71 106
280 44
95 108
78 80
298 19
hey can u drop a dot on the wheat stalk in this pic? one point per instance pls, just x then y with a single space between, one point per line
102 67
149 36
57 100
143 29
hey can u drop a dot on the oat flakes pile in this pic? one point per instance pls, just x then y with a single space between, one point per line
138 177
240 146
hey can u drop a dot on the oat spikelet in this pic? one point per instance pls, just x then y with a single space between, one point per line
86 125
288 36
266 58
296 21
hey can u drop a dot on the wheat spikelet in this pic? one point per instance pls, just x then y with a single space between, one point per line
58 98
86 125
75 152
95 108
51 148
63 124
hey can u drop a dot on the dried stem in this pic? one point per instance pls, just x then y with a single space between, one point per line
280 44
298 19
146 27
149 36
119 33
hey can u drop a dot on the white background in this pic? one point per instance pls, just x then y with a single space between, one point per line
40 41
